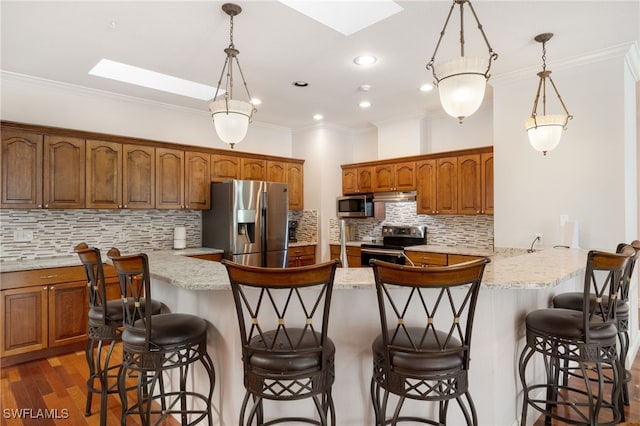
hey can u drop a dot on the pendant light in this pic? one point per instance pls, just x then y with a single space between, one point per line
462 81
231 117
545 130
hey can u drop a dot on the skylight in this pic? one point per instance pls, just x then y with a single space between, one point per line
346 17
153 80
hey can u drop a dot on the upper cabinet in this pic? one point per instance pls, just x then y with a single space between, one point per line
395 177
356 180
138 177
197 180
457 182
224 167
292 175
253 169
21 159
64 172
182 179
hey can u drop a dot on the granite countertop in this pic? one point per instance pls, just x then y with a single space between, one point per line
509 268
73 260
302 243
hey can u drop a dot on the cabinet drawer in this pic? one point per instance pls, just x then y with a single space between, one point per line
427 258
460 258
215 257
47 276
302 250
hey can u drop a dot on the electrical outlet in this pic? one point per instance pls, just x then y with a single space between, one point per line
22 235
539 238
122 237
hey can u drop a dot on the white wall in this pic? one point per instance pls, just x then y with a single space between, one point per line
446 134
29 100
583 177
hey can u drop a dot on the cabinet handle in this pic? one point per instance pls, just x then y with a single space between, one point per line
119 206
478 212
46 277
45 288
125 206
51 288
39 206
46 206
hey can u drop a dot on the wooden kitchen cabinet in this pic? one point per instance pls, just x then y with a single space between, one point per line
292 175
64 172
119 176
469 184
421 258
301 256
197 180
214 257
21 160
169 179
276 171
486 168
357 180
437 186
224 167
253 169
42 309
395 177
453 259
353 255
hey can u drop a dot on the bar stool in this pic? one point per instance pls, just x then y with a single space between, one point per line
422 354
585 338
283 315
154 345
574 300
105 326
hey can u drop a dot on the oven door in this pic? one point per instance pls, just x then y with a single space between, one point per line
386 255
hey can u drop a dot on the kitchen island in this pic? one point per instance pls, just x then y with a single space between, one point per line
514 283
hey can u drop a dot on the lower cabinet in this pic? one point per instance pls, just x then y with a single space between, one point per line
42 309
301 256
353 255
215 257
422 258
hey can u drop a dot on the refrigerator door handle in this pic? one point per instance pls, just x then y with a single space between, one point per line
263 223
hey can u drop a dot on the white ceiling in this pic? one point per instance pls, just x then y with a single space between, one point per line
62 41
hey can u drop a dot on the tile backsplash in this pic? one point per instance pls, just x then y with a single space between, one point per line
56 232
442 230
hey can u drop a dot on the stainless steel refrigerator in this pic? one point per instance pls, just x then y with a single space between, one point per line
248 220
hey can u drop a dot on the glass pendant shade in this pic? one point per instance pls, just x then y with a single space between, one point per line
545 131
231 119
462 85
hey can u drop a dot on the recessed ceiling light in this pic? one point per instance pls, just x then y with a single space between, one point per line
427 87
300 83
365 104
365 60
152 80
364 88
318 117
255 101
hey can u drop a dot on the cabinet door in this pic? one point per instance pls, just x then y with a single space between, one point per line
197 180
295 180
169 179
24 320
224 167
469 184
139 177
21 159
104 175
349 180
426 187
365 179
487 182
64 172
447 185
253 169
405 176
277 171
68 307
384 178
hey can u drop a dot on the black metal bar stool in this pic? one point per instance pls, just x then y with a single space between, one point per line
154 345
283 316
586 338
574 300
423 351
105 327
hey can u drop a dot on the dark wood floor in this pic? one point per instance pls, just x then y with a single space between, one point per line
59 383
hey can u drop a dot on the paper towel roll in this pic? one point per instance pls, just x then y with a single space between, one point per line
570 231
179 237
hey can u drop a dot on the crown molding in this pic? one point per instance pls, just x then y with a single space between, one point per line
617 51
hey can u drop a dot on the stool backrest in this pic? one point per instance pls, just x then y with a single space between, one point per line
135 288
603 279
626 282
440 301
282 299
92 263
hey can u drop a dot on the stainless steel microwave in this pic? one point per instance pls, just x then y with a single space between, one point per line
355 206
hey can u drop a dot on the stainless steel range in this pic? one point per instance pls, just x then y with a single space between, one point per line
394 241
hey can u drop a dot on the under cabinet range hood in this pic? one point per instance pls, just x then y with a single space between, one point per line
392 197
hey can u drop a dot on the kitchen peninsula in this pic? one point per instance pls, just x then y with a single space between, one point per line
514 283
